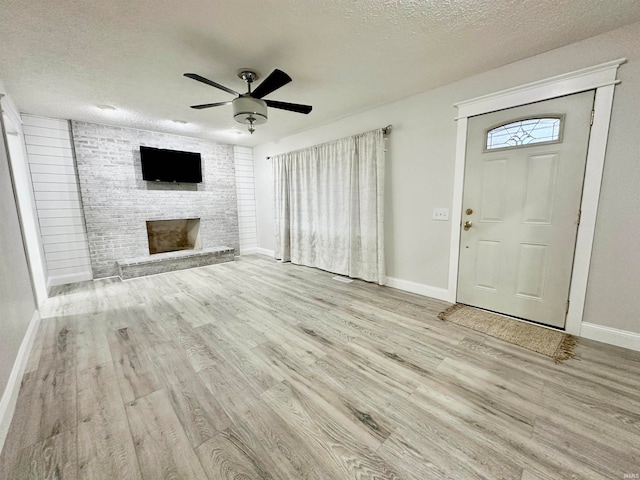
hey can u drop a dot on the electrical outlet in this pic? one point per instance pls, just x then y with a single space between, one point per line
441 214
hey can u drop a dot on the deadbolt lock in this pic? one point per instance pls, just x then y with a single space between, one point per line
468 211
467 225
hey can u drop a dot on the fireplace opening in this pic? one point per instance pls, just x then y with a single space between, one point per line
173 235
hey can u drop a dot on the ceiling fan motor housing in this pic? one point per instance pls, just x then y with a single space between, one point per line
249 110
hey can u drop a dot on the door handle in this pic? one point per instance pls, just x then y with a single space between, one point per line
467 225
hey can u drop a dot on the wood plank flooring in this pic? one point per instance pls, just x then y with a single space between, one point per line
261 370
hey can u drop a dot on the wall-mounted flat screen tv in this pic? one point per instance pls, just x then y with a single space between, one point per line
160 165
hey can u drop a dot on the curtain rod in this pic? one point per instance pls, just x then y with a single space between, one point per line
385 131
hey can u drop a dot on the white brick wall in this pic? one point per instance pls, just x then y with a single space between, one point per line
246 199
57 195
117 202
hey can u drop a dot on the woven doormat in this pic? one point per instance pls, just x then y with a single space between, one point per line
554 344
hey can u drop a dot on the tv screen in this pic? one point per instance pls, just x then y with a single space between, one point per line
160 165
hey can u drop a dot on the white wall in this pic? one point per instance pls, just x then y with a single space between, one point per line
243 157
55 185
25 199
420 174
17 301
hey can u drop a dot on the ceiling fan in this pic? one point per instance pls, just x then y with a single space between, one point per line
249 108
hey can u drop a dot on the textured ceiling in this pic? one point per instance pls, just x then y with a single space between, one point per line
63 58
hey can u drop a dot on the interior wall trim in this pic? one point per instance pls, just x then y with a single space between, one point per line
25 199
10 395
612 336
589 78
419 288
262 251
11 111
602 79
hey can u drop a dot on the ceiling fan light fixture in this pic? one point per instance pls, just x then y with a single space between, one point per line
249 110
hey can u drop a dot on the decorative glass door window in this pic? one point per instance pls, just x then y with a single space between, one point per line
523 132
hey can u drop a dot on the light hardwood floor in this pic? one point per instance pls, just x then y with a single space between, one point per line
259 370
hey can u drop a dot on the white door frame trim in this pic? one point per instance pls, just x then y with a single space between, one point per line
602 79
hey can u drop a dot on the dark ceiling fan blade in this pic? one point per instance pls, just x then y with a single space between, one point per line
209 105
293 107
199 78
273 82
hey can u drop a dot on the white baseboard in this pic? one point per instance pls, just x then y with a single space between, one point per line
71 278
420 289
612 336
10 395
264 251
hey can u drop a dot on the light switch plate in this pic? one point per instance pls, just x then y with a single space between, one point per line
441 214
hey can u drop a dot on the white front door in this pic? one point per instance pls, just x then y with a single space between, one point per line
522 190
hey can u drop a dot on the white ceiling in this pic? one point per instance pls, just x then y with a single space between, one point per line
63 58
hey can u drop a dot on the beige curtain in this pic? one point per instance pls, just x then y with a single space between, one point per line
329 206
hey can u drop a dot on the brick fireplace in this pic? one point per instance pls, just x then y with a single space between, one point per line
119 205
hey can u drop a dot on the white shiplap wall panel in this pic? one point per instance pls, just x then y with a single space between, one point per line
62 239
52 177
70 263
58 201
247 179
246 199
247 196
55 187
49 151
45 122
49 142
61 213
69 274
66 255
65 247
61 221
46 132
58 204
57 196
55 169
64 230
51 160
